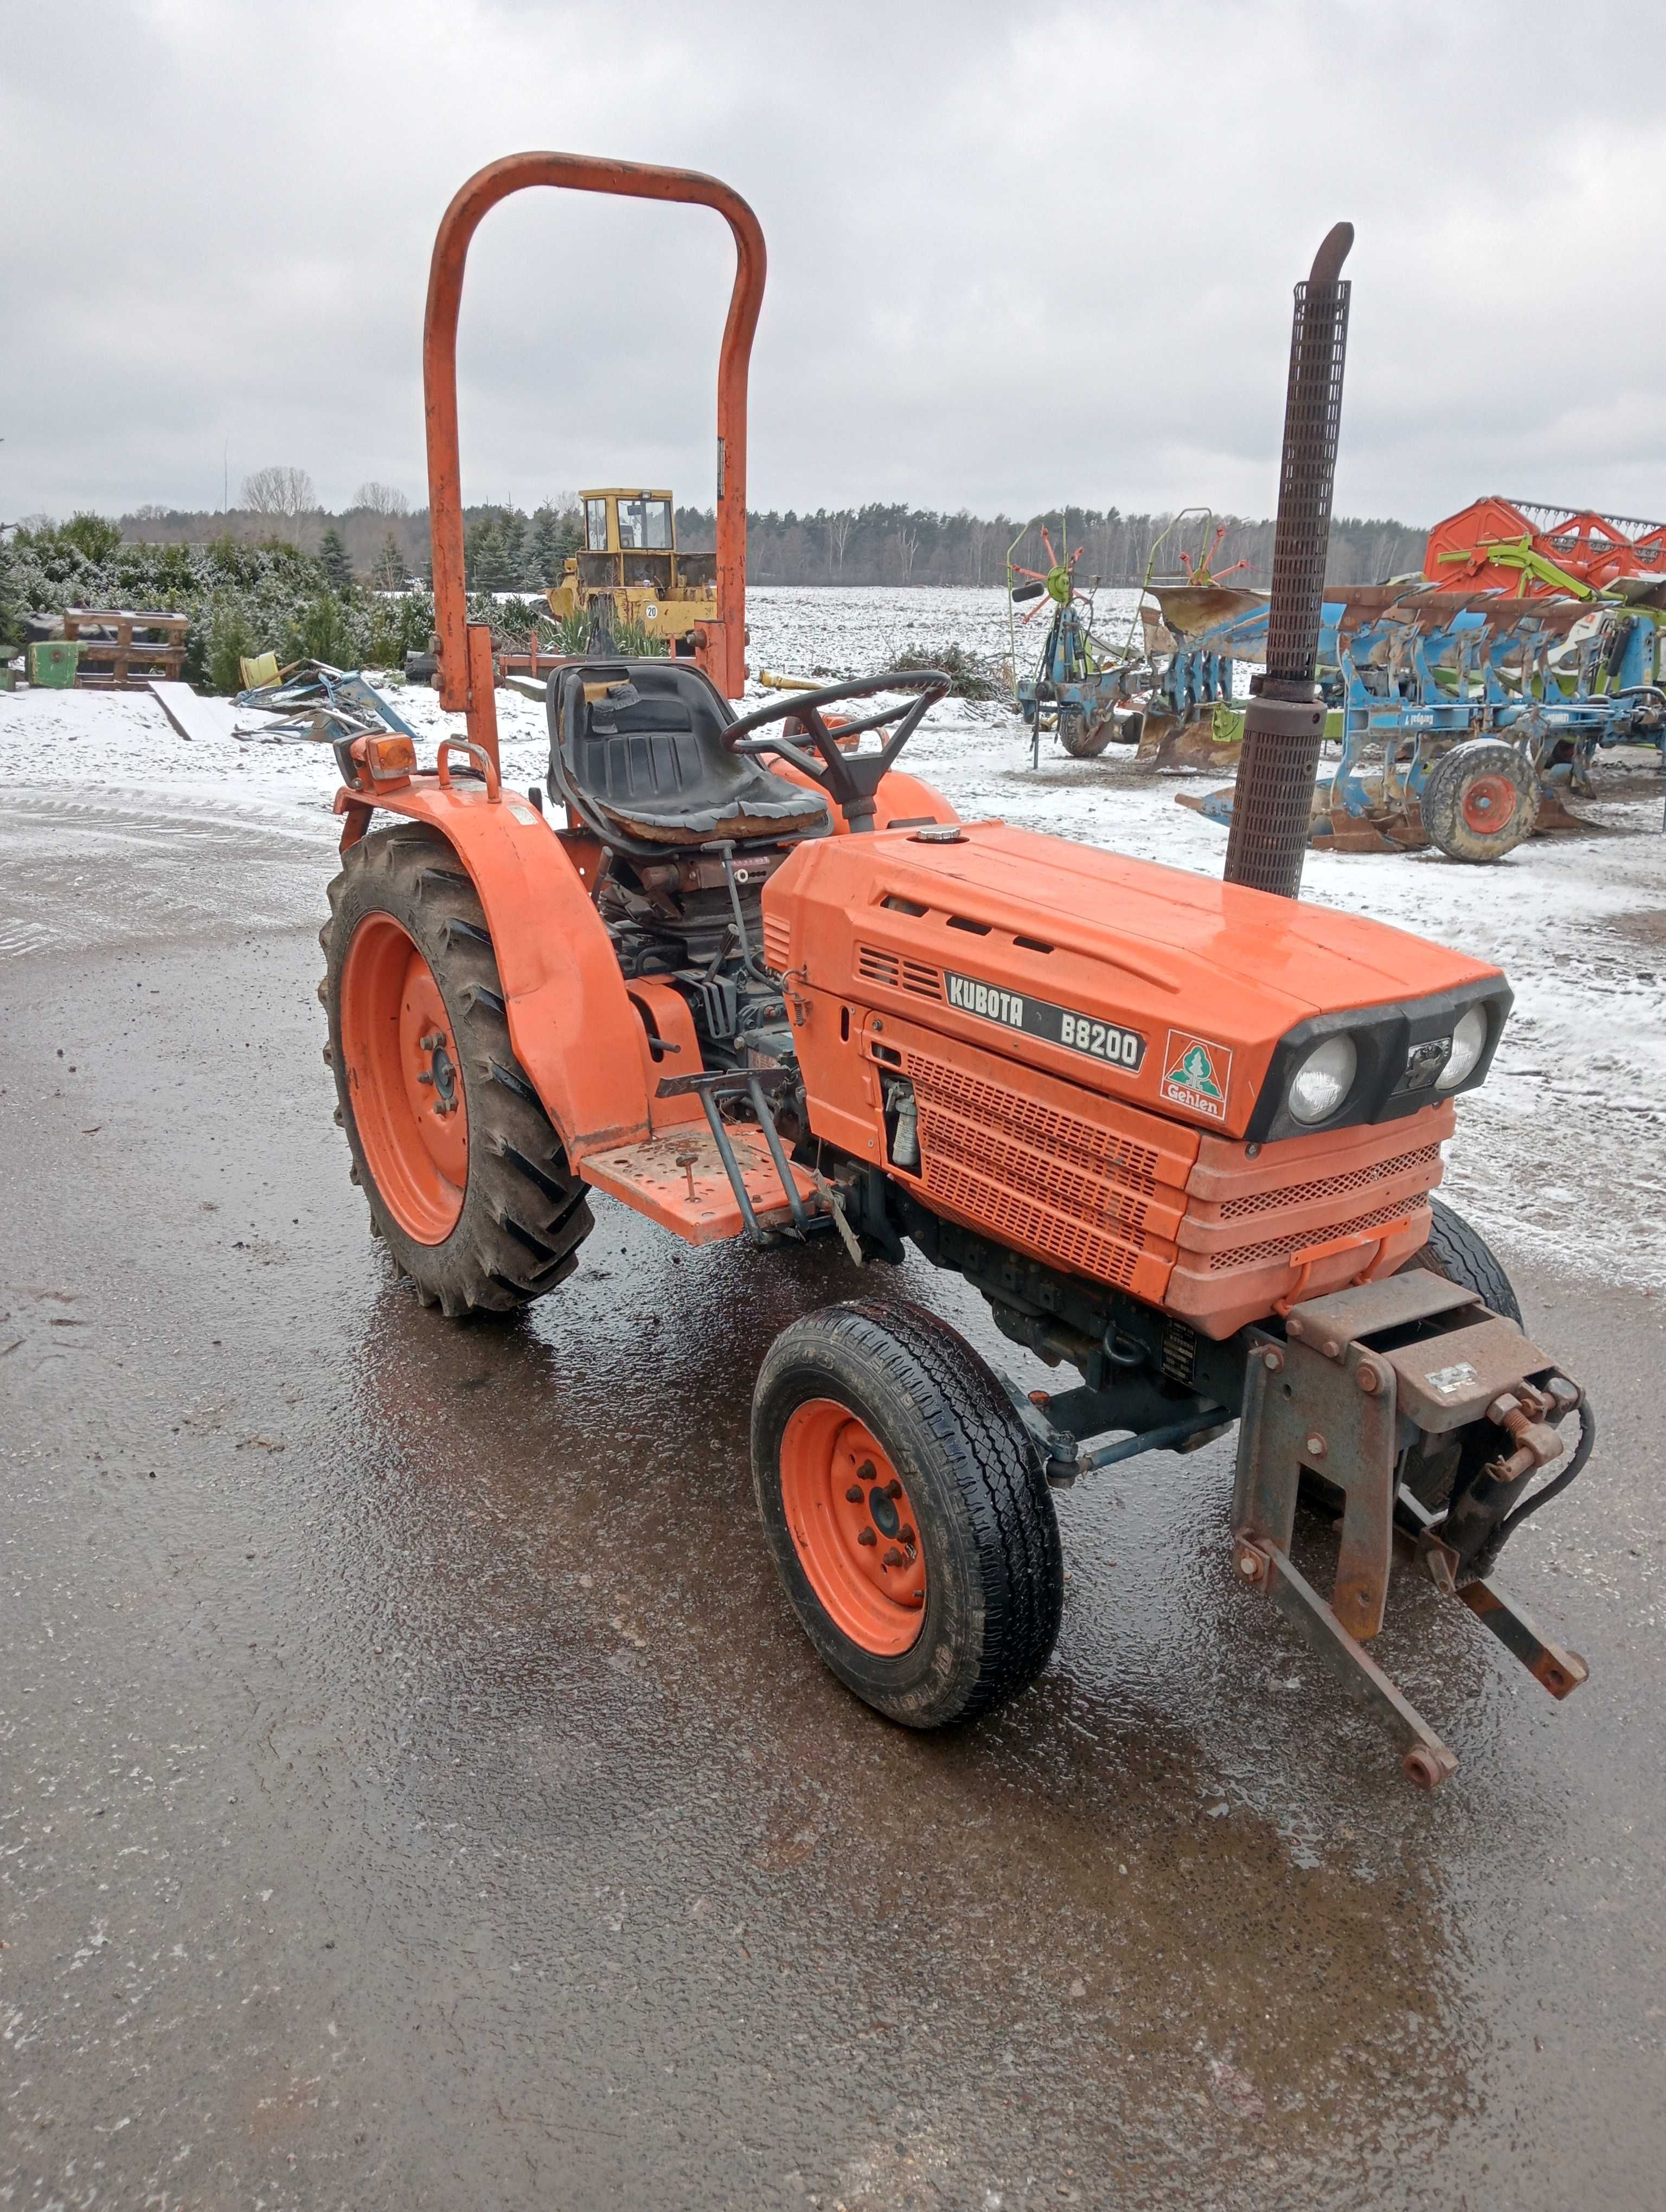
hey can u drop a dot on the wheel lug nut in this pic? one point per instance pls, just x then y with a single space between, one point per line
865 1472
856 1494
866 1536
893 1488
893 1559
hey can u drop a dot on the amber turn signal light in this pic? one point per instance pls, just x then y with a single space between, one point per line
385 760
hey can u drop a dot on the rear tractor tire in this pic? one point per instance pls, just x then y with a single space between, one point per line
1481 801
466 1180
910 1524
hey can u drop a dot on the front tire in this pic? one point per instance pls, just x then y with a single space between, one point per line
1465 1257
910 1525
466 1179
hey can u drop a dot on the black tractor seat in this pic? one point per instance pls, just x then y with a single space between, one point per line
636 751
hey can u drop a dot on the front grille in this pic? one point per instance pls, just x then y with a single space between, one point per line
1280 1248
991 1107
976 1148
1023 1220
1068 1188
1336 1186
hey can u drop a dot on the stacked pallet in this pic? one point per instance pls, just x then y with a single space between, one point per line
123 662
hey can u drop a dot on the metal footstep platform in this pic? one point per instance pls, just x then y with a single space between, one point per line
729 1179
680 1181
1359 1379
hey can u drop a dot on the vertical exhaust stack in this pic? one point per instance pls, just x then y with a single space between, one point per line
1284 723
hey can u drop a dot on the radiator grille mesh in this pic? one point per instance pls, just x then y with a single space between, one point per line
1336 1186
993 1107
1023 1220
1280 1248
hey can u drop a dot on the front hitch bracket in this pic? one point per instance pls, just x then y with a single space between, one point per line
1360 1376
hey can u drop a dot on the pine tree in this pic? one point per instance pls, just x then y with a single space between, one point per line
554 536
11 602
389 573
486 566
513 532
332 558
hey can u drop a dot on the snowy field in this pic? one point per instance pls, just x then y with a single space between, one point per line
1562 1156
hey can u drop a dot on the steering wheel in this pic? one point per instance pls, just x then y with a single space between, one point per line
850 779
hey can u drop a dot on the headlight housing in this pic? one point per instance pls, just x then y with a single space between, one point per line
1375 1064
1320 1086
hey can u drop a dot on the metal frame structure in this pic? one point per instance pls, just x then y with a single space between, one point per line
464 673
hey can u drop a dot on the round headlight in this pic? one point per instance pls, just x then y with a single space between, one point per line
1469 1042
1323 1080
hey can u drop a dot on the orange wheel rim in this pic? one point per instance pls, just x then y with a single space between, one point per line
402 1068
1489 803
853 1528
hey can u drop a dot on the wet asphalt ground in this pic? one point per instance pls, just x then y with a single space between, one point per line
415 1792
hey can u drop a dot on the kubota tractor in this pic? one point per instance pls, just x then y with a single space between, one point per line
756 982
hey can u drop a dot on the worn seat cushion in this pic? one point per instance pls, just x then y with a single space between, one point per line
639 745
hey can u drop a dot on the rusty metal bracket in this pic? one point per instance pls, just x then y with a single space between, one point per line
1328 1401
1552 1665
1335 1416
1268 1567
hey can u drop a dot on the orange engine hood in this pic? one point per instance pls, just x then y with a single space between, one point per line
1186 984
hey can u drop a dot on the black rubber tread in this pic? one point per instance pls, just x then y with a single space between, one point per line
1082 740
995 1584
1463 1256
525 1211
1442 799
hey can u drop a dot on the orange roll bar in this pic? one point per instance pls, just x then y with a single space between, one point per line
466 662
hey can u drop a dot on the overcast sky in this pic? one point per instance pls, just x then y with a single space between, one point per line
1016 254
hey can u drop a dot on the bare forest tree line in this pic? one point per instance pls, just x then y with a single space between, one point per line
509 548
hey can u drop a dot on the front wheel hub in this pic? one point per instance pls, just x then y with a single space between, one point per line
852 1526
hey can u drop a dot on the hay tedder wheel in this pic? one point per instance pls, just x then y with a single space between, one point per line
1481 801
1082 740
466 1177
912 1529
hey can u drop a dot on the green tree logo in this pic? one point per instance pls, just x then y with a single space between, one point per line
1195 1071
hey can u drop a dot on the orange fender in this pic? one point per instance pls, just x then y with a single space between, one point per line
574 1031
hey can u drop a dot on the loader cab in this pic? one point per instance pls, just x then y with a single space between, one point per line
634 533
630 568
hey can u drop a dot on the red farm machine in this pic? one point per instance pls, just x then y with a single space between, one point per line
743 975
1531 550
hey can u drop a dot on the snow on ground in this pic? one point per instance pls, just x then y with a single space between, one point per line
1562 1155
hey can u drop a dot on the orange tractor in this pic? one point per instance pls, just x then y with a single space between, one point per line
745 975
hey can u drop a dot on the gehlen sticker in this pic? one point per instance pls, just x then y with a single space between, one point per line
1062 1025
1196 1074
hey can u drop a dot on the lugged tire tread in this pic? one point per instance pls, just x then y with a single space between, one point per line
525 1212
